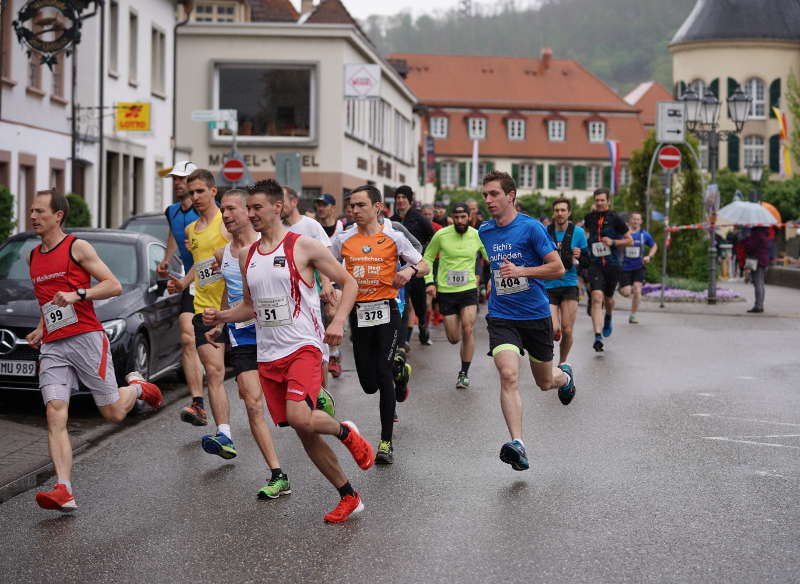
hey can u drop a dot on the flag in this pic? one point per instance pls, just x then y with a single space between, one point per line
786 159
613 155
473 183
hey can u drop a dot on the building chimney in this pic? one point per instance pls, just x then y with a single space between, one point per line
547 54
306 6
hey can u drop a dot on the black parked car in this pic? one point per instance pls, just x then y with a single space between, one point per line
141 323
154 224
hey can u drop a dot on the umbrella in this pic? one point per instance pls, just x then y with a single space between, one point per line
745 213
771 208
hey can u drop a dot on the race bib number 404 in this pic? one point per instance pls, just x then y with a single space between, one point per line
205 273
372 313
273 311
509 285
57 317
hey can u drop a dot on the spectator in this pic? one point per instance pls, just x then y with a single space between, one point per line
757 248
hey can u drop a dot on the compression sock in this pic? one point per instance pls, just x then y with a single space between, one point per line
346 489
465 367
344 432
199 402
276 473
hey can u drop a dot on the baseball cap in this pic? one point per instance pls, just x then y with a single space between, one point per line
183 168
326 199
460 208
440 205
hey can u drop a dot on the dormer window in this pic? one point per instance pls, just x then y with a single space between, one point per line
516 129
439 127
476 127
556 130
597 131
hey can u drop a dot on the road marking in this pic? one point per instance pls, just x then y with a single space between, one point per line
726 439
766 473
746 420
745 377
706 394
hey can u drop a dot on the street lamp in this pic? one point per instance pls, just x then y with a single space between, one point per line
755 170
702 120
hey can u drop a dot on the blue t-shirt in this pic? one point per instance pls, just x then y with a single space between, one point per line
239 333
178 220
571 276
633 253
524 242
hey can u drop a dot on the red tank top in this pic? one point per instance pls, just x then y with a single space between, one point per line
56 271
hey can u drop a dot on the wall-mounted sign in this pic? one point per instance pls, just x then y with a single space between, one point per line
362 80
49 27
133 116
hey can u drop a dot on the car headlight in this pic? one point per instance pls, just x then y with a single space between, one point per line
114 329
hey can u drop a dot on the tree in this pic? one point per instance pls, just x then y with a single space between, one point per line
6 213
79 214
793 105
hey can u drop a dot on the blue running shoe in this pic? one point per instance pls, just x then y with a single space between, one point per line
567 392
607 328
219 444
513 453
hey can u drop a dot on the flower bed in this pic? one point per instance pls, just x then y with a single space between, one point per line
652 292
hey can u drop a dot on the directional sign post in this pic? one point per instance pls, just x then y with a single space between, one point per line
669 157
670 122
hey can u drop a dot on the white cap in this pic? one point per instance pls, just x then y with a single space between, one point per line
183 168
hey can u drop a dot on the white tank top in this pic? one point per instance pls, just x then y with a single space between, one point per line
286 307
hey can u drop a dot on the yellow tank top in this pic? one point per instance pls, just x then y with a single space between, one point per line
208 286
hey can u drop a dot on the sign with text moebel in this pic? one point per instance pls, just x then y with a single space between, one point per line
133 116
362 80
670 122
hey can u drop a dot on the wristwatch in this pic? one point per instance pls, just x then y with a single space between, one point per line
81 292
413 267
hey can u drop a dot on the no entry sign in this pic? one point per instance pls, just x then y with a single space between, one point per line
233 170
669 157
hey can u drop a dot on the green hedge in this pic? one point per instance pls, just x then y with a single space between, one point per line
79 214
6 213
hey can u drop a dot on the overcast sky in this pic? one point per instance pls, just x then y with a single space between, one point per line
362 8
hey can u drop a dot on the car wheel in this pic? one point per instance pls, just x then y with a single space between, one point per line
140 355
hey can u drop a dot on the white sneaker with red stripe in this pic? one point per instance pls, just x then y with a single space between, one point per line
150 392
59 499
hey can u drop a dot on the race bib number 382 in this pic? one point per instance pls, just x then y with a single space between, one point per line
57 317
205 273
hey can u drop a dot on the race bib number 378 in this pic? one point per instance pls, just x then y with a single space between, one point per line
372 313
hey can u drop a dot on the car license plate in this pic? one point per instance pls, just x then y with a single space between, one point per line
18 368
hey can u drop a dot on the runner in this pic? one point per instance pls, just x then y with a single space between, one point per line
326 215
633 264
276 272
563 293
205 237
371 252
456 287
519 317
73 344
179 215
605 229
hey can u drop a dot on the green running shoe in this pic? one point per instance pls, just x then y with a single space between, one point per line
385 453
275 488
632 319
325 402
463 381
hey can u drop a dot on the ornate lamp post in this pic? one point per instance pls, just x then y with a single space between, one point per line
755 170
702 120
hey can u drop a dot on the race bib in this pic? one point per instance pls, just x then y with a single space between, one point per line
57 317
509 285
600 250
273 311
205 275
372 313
457 277
245 324
633 252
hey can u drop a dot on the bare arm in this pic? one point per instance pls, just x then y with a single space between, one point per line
320 258
172 247
551 269
107 285
243 312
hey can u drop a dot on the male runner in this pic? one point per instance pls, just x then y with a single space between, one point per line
520 256
605 230
456 287
278 272
179 215
327 216
563 293
633 264
73 344
371 252
440 214
205 237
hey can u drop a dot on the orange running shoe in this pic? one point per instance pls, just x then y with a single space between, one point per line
335 366
59 499
348 505
195 415
362 451
150 392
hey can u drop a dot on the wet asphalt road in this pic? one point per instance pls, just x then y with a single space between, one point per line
677 462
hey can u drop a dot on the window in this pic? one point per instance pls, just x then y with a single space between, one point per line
753 151
379 120
215 12
449 174
273 101
527 176
350 115
594 177
699 86
133 48
8 33
703 154
476 128
556 130
402 137
484 168
597 131
563 176
755 89
439 127
35 72
113 38
516 129
158 59
624 175
57 75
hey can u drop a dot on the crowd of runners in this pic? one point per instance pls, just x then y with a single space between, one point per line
282 288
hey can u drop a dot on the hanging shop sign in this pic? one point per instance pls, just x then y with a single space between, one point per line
50 27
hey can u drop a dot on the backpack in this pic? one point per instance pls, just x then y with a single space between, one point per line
565 251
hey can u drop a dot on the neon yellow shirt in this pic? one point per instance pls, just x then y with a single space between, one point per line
208 287
457 254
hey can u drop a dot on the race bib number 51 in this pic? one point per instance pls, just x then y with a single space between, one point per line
205 273
273 311
57 317
509 285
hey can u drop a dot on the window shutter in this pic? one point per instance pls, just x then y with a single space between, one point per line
774 96
732 85
515 173
607 176
775 153
438 174
579 178
680 89
462 174
540 176
551 176
733 153
714 87
489 167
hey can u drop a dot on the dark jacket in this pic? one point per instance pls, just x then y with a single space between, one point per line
419 227
757 245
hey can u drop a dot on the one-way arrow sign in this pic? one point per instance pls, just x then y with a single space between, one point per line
670 127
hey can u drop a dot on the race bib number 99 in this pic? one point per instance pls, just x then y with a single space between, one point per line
273 311
205 273
600 250
509 285
457 277
372 313
57 317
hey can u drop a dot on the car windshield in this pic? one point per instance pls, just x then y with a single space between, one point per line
120 257
157 227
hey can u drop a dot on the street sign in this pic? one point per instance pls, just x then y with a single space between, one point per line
133 116
287 170
362 80
670 122
214 115
669 157
233 170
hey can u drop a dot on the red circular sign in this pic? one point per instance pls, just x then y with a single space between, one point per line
233 170
669 157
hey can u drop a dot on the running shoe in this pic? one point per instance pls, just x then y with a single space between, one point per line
325 402
425 336
361 450
513 453
385 453
398 365
632 319
194 415
348 505
557 335
219 444
567 392
463 381
395 418
151 395
401 388
275 488
59 499
607 328
335 366
598 345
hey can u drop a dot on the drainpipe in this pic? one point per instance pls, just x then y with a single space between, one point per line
188 6
101 156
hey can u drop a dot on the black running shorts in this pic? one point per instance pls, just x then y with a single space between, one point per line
453 302
558 295
200 331
604 278
533 336
628 277
243 358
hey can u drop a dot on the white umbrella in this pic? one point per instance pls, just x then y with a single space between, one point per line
743 212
